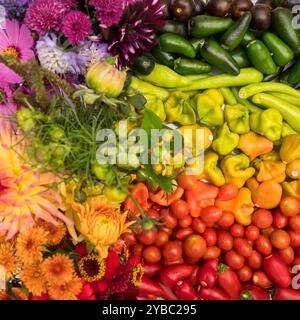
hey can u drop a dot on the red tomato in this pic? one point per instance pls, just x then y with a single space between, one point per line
296 261
237 230
226 220
210 236
194 246
183 233
162 238
137 250
168 219
147 237
211 215
152 254
234 260
262 218
280 239
225 240
295 238
152 213
129 239
245 273
198 225
287 255
268 231
187 182
254 261
168 263
211 253
242 247
186 222
252 233
172 251
294 223
289 206
191 261
180 209
260 279
280 221
228 191
168 231
263 245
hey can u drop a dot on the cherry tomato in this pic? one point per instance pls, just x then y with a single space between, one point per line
172 251
225 240
234 260
168 219
129 239
226 220
287 254
152 213
296 261
187 182
260 279
280 221
180 209
280 239
242 247
137 250
168 231
152 254
237 230
245 273
168 263
211 215
262 218
294 223
254 261
210 236
147 237
268 231
194 246
295 238
183 233
198 225
289 206
263 245
162 238
228 191
212 253
252 233
186 222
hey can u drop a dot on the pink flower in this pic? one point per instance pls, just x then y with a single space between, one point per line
76 26
7 104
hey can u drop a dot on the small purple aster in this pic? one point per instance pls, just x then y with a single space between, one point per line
76 26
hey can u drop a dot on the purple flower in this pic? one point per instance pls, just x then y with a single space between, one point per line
15 9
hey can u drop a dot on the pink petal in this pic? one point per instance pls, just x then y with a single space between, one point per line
8 75
25 38
26 54
4 41
12 29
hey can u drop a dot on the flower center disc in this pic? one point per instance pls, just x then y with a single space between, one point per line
11 52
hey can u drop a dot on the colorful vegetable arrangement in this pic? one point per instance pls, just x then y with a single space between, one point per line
79 80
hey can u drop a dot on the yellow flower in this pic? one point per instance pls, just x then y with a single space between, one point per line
91 267
8 258
55 233
66 291
101 223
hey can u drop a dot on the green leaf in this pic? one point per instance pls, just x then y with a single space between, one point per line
164 182
138 101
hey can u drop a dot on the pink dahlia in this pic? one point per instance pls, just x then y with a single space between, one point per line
76 26
45 15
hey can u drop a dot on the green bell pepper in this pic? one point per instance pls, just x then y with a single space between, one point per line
237 117
225 141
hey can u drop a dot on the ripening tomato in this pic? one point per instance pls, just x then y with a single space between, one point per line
260 279
198 225
289 206
195 246
295 238
172 251
162 238
137 250
280 221
228 191
168 219
280 239
237 230
262 218
263 245
147 237
186 222
268 231
227 220
152 254
180 209
287 255
254 261
187 182
242 247
210 236
152 213
252 233
234 260
211 215
294 223
225 240
183 233
245 273
211 253
129 239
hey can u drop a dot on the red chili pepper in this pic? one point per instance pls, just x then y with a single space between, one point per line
148 286
277 270
171 275
229 281
141 195
151 270
168 293
254 293
208 274
286 294
184 290
212 294
193 277
165 199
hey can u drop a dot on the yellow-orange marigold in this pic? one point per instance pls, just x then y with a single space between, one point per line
66 291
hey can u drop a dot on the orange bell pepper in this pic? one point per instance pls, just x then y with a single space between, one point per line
165 199
141 195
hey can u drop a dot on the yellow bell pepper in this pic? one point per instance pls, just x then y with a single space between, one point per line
293 169
292 189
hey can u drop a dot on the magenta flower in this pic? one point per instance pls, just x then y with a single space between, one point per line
77 26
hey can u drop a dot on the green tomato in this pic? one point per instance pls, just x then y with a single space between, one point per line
114 194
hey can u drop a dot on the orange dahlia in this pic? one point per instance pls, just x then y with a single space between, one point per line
66 291
25 192
8 258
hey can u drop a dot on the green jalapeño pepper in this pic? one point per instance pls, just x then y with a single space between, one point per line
205 26
215 55
163 57
225 141
237 118
248 37
173 43
191 66
260 57
235 34
240 57
281 53
173 26
294 74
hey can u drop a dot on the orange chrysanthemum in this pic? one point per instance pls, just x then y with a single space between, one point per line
58 270
66 291
25 192
55 233
30 245
33 278
8 258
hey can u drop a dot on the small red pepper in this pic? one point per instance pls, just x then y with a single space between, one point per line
193 277
141 195
168 293
254 293
165 199
171 275
212 294
286 294
151 270
149 287
229 281
277 270
208 274
184 290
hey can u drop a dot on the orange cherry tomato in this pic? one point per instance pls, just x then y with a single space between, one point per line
242 247
245 273
234 260
280 239
227 220
262 218
162 238
195 246
254 261
212 253
252 232
287 254
264 245
289 206
294 223
198 225
225 240
237 230
210 236
152 254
